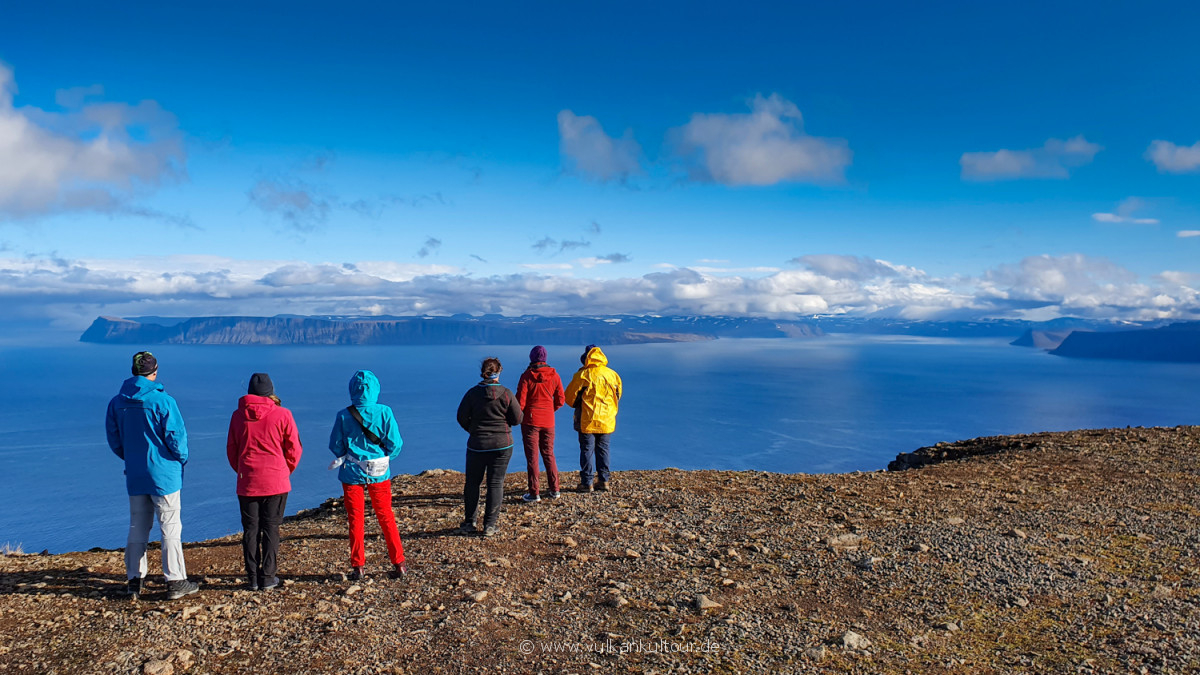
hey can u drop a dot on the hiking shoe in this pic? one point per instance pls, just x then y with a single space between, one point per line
529 498
491 530
133 588
178 589
268 584
602 485
585 487
252 584
466 528
555 495
398 572
356 574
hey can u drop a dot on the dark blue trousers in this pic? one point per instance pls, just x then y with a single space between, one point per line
593 447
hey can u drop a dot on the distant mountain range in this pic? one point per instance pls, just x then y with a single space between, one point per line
1062 337
420 330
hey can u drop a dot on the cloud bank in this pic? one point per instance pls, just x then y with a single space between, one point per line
75 291
1125 214
90 156
1055 159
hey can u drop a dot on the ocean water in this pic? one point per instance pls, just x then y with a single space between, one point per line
839 403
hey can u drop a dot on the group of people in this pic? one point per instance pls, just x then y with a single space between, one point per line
145 429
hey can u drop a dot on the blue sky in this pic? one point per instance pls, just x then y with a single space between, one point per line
945 160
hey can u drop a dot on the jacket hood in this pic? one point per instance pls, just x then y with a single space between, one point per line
539 371
364 388
595 357
255 407
138 388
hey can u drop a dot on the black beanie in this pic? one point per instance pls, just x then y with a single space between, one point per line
261 385
144 364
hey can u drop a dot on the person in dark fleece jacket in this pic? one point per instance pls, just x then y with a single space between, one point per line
488 411
540 393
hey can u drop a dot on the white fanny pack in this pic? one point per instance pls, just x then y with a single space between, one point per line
372 467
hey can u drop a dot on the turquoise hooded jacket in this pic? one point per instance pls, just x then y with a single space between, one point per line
347 438
146 430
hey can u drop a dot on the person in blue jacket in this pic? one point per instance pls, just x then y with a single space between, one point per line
364 440
145 429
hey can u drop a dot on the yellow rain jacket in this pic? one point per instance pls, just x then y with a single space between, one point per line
598 389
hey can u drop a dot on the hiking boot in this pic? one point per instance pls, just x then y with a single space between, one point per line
529 498
178 589
602 486
555 495
466 528
252 584
585 487
356 574
398 572
491 530
133 588
268 584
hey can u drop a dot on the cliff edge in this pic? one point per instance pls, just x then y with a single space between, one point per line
1056 552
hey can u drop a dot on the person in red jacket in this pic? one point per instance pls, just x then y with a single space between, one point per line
539 393
263 447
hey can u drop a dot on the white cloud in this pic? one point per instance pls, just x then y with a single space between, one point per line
91 156
763 147
1043 286
854 267
1055 159
1125 214
593 153
1171 158
1183 234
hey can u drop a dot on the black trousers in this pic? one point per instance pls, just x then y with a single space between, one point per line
495 465
261 517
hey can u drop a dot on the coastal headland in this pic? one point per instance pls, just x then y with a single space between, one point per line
1053 552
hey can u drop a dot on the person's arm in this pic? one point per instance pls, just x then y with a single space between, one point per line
559 397
174 433
291 442
113 431
337 440
523 390
464 412
231 449
513 415
391 435
577 384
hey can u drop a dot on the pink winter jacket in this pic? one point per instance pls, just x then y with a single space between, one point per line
263 447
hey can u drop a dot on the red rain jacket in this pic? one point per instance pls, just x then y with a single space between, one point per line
263 447
540 393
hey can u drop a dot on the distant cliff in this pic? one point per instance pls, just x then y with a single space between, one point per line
459 329
1177 342
1042 339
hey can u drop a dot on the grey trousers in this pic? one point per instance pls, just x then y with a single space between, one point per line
142 511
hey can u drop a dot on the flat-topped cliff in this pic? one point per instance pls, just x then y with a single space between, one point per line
1055 552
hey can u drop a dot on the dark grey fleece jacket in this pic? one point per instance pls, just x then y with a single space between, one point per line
488 411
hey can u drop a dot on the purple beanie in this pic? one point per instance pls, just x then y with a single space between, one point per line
537 354
586 350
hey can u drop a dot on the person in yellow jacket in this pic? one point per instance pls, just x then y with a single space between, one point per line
594 392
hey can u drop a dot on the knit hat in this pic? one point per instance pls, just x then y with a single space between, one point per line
537 354
144 364
583 356
261 385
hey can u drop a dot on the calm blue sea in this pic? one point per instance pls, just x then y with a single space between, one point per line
833 404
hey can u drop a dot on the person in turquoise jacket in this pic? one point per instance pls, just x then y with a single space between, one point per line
145 429
364 441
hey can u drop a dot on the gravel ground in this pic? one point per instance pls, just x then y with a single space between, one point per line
1056 552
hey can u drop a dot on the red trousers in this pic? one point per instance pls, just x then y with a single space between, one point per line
381 501
539 440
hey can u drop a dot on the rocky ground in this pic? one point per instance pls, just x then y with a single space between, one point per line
1057 552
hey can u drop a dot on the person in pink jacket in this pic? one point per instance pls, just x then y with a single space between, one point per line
263 448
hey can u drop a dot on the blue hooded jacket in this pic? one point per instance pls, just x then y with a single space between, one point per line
347 437
146 430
